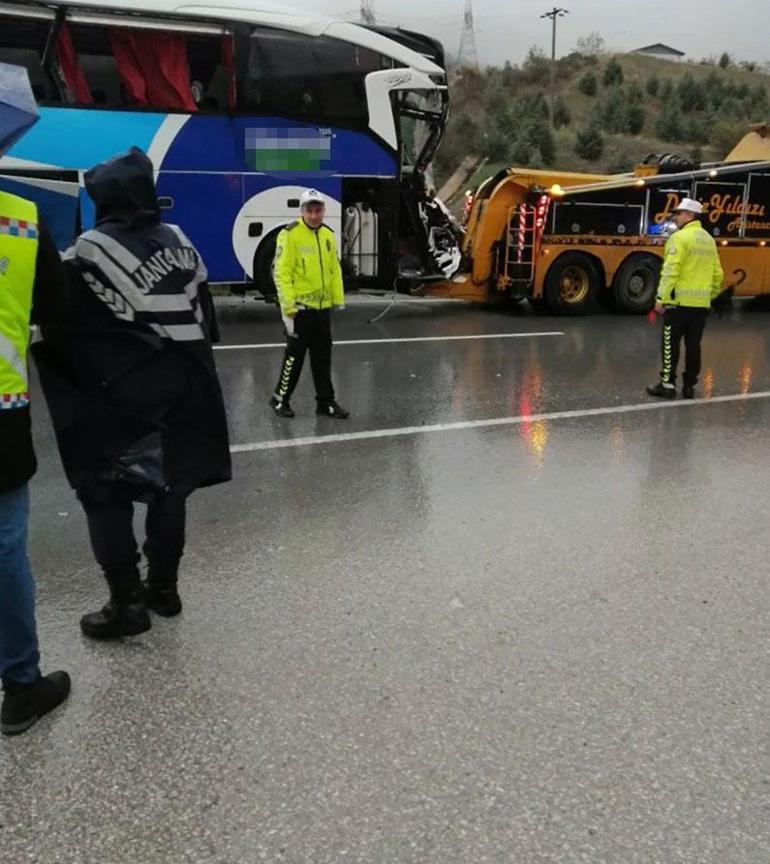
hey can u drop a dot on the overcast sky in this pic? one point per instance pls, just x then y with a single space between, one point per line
506 28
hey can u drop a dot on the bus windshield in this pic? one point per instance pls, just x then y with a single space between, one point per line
422 119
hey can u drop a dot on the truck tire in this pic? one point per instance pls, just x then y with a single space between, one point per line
572 285
635 284
264 283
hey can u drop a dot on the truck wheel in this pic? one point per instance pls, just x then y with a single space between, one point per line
263 267
635 284
572 285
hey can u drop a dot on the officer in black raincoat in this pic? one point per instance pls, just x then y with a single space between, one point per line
133 390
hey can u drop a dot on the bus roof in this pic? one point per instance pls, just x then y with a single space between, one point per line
267 14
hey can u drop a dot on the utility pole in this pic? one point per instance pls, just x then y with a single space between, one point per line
553 15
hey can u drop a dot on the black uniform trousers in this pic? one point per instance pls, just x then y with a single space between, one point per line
110 515
688 323
313 333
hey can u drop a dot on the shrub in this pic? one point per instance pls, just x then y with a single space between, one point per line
724 60
692 94
613 73
561 115
725 134
669 123
539 135
653 85
635 117
521 152
614 111
588 85
589 143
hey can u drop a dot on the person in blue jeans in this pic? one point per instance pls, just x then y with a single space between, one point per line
32 287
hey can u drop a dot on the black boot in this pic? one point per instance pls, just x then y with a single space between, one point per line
125 614
333 410
281 407
662 391
25 704
162 594
688 393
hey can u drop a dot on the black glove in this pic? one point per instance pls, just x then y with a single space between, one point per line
722 303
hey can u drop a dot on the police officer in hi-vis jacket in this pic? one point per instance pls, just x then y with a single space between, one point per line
309 281
690 281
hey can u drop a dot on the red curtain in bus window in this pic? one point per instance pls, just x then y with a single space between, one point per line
153 68
71 71
228 62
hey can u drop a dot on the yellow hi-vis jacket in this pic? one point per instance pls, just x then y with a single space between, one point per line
18 260
692 273
306 269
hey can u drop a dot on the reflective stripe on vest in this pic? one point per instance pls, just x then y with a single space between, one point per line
18 258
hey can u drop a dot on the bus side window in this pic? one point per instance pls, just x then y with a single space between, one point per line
94 53
132 67
22 42
211 71
315 78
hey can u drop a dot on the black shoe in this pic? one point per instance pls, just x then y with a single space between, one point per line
688 393
662 392
281 407
117 619
333 410
163 600
25 704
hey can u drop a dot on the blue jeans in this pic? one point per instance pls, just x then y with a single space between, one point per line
19 655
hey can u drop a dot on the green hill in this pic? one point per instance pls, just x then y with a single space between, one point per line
610 112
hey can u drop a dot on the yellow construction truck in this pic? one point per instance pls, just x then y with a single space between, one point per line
566 240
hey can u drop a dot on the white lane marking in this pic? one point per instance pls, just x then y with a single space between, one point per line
486 424
400 339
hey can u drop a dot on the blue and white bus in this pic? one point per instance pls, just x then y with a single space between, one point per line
241 105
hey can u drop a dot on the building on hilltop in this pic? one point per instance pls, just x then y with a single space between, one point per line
661 51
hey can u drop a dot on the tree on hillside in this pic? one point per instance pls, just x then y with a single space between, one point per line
725 135
561 115
613 73
669 124
653 85
614 111
589 143
496 146
635 94
590 45
692 94
588 85
521 152
667 90
539 135
724 60
635 119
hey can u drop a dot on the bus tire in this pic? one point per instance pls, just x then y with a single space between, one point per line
264 283
572 285
635 284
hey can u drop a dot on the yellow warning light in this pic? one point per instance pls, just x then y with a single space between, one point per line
640 182
724 242
713 173
763 242
556 190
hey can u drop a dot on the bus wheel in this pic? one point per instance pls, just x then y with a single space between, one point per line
635 284
572 285
263 267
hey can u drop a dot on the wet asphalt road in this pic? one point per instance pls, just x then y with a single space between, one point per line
543 641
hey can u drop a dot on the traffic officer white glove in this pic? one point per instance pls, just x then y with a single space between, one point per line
288 323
